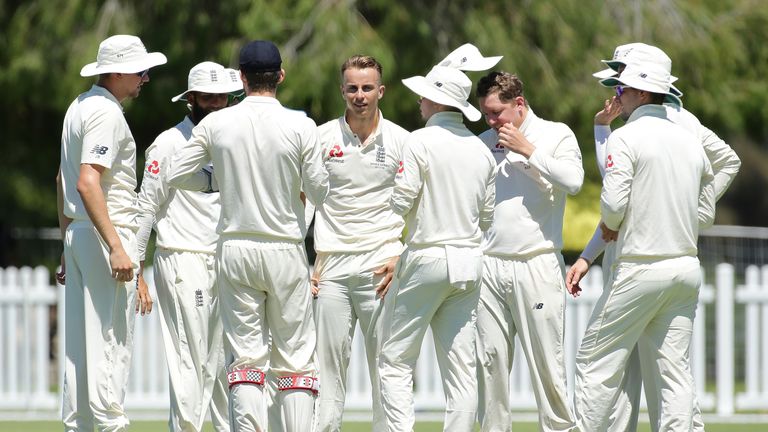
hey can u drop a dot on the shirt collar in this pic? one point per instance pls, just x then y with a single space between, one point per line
101 91
530 117
371 138
648 110
445 118
261 100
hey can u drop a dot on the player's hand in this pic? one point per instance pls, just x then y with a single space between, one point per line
511 138
122 268
575 275
314 284
611 110
62 275
388 270
143 299
609 235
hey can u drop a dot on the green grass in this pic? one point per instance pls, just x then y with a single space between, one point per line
154 426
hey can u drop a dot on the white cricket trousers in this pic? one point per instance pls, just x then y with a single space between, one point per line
422 296
266 309
98 331
626 411
654 304
523 297
188 303
347 294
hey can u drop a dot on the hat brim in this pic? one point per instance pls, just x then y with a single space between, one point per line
605 73
212 89
481 64
150 60
425 89
671 95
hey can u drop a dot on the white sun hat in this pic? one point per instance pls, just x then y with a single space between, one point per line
234 77
648 77
468 58
638 52
122 54
209 77
446 86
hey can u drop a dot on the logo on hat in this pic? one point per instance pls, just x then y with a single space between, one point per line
438 84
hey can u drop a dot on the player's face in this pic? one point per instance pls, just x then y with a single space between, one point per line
362 90
134 81
498 113
629 99
427 108
206 103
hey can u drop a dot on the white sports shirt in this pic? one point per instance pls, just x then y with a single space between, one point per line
262 154
95 132
530 194
184 220
446 187
658 187
356 215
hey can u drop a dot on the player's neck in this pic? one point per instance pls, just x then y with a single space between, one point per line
363 127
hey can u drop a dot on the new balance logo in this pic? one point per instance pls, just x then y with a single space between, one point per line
97 149
538 306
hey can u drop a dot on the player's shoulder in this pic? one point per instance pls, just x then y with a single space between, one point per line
330 127
556 128
394 128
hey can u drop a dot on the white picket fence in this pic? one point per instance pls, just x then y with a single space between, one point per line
28 382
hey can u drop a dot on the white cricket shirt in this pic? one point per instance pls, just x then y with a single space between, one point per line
356 215
530 193
95 132
446 187
658 187
184 220
262 154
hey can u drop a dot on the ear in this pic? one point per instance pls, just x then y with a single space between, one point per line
282 76
381 91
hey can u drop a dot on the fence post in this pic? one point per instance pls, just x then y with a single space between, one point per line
724 342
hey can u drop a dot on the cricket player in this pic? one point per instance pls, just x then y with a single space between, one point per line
262 155
725 165
357 235
446 192
523 289
184 262
97 212
658 191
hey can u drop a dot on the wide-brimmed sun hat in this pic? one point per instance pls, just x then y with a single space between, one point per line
648 77
468 58
445 86
210 77
638 52
122 54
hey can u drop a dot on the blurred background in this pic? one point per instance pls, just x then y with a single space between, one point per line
719 50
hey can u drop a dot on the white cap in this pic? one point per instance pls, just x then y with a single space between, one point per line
647 77
234 77
468 58
638 52
446 86
122 54
209 77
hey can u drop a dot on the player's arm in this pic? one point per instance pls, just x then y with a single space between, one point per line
187 168
617 184
707 198
489 202
314 176
603 119
725 162
563 168
64 222
89 188
408 183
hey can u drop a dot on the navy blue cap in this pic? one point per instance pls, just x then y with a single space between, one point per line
260 56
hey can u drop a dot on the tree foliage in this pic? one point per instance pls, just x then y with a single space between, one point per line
718 48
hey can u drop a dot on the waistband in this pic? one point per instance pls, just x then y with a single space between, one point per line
259 241
84 223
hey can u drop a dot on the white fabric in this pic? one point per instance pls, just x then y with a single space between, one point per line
647 77
185 220
465 265
523 297
122 54
188 302
98 332
266 310
210 77
468 58
446 189
263 154
671 184
530 195
421 296
445 86
356 215
95 132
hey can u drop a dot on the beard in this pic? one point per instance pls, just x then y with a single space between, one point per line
198 112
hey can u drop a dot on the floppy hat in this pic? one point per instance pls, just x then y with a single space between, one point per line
234 77
446 86
647 77
210 77
122 54
468 58
638 52
260 56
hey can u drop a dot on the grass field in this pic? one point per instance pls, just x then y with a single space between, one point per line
155 426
